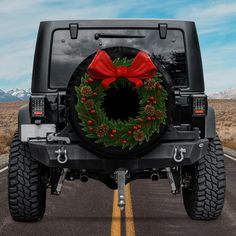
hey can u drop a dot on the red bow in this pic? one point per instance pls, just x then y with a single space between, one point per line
102 68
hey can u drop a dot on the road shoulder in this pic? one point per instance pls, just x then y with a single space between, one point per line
230 152
3 160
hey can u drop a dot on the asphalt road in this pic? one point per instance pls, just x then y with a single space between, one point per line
90 209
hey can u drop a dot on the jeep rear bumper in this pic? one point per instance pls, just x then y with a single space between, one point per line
80 158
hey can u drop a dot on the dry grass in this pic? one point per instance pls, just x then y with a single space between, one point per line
5 140
8 123
225 122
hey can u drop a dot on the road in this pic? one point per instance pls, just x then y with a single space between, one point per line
90 209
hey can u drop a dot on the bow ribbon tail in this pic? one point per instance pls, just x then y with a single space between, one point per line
106 82
138 82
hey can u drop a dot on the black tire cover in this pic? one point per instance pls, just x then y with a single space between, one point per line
115 152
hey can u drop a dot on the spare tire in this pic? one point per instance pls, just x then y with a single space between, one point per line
120 103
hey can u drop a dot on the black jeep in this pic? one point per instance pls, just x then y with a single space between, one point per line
117 100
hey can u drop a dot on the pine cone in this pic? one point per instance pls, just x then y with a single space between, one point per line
139 135
86 91
102 130
159 114
150 84
149 110
89 104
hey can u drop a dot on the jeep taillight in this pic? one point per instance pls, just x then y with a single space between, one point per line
199 105
37 104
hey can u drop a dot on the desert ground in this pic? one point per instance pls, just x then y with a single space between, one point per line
8 123
225 121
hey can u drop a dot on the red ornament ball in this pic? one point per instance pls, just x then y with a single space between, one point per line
124 141
114 131
95 94
112 135
140 119
135 127
83 99
89 122
159 87
93 111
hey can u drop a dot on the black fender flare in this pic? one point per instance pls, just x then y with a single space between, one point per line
210 123
23 117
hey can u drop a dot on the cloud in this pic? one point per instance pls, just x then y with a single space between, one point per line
16 59
216 24
213 11
220 79
211 17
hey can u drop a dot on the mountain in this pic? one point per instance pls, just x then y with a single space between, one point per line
20 93
6 97
229 93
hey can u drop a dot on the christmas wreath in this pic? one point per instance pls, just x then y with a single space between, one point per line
138 74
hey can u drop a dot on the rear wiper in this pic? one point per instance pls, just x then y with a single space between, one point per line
104 35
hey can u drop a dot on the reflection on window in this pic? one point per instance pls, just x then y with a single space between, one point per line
68 53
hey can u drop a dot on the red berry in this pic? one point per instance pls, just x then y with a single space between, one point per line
140 119
93 111
153 118
148 102
90 80
159 86
89 122
114 131
95 94
129 132
154 102
86 81
91 129
149 118
112 135
139 126
83 99
152 98
124 141
135 127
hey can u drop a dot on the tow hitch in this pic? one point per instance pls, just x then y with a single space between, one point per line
120 177
61 180
171 180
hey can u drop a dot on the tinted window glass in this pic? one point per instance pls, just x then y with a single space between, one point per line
68 53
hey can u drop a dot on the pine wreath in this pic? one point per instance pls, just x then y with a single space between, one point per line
121 133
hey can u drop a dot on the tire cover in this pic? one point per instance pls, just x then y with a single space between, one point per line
99 149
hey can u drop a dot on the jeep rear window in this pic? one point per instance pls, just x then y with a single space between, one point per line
68 53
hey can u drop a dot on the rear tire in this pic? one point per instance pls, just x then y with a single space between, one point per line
204 198
26 191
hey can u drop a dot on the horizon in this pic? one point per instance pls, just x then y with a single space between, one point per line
27 89
215 22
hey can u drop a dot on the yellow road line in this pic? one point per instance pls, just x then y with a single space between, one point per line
116 215
129 220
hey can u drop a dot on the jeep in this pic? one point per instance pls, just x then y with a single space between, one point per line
116 101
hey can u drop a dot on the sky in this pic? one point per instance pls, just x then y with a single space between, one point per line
215 21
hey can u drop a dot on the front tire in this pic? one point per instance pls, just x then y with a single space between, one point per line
204 197
26 191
